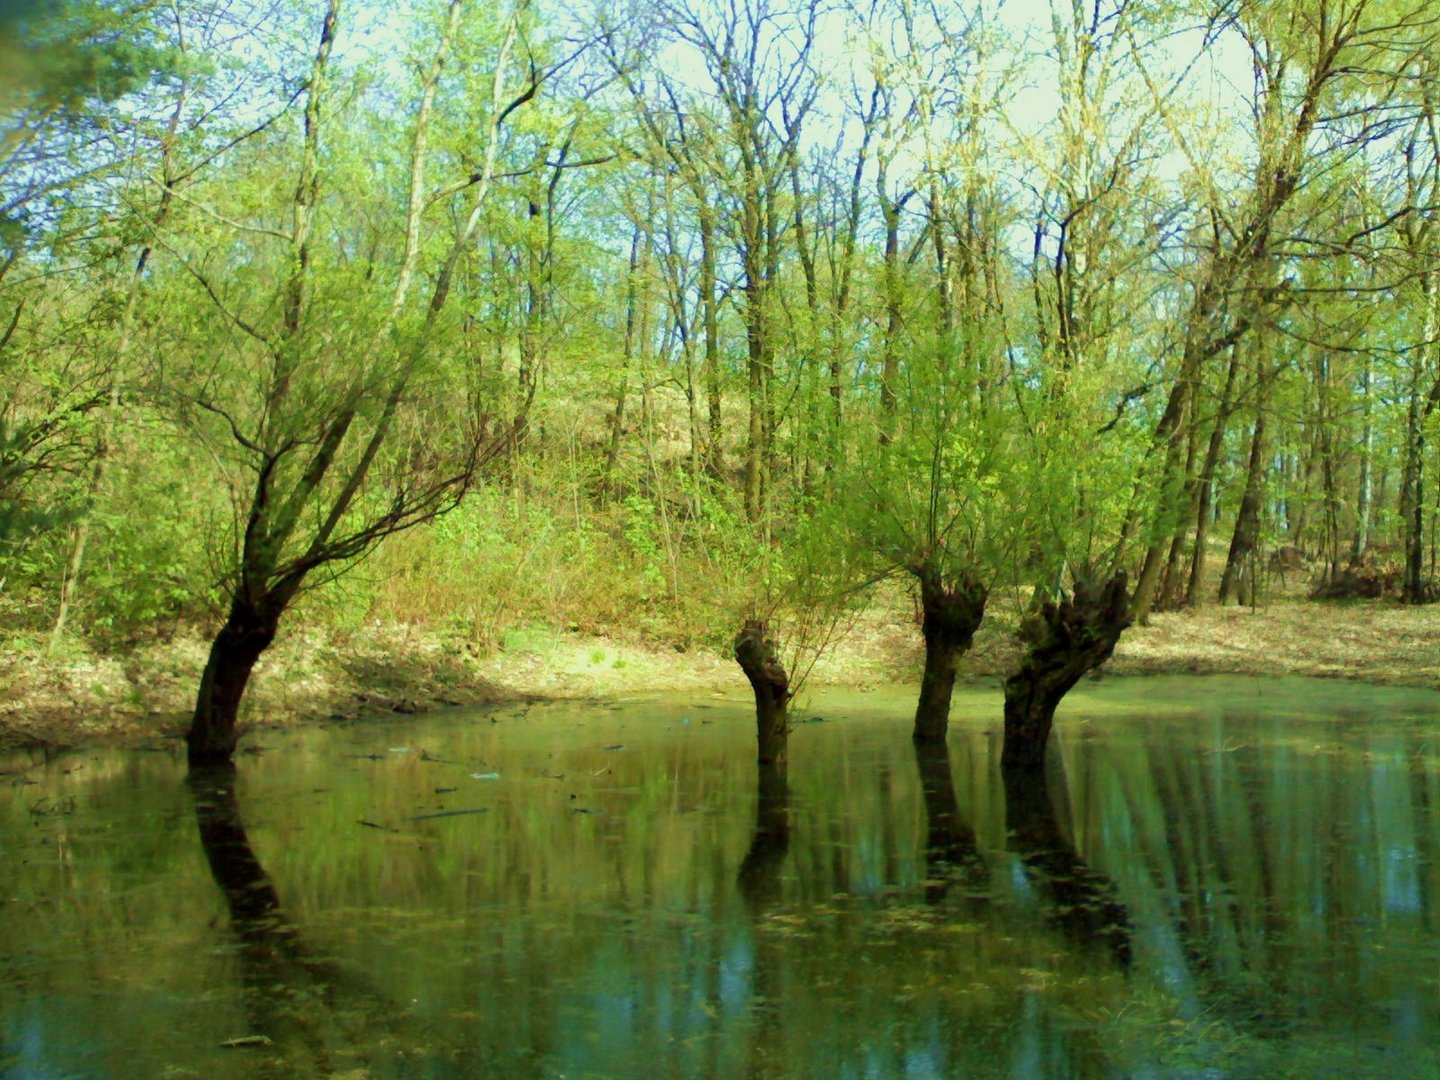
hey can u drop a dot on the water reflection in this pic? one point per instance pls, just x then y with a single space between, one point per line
1083 903
615 893
760 885
299 1007
759 876
255 914
952 851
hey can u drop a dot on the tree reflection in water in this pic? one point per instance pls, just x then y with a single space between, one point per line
291 998
1084 903
759 876
952 852
890 911
759 883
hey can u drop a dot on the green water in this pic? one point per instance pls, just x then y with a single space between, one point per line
1225 878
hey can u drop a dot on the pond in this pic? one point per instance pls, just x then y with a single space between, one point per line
1219 878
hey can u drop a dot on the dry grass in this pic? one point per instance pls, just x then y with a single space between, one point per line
1372 641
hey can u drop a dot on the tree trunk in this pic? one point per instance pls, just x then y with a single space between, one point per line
1412 502
756 654
247 633
1206 482
1325 438
890 361
1361 539
709 305
1169 439
1414 589
753 313
1065 641
1169 590
951 616
1298 528
617 415
1247 518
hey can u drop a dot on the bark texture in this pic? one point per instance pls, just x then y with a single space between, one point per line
1065 640
950 615
755 653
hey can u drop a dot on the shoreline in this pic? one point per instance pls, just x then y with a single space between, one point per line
142 697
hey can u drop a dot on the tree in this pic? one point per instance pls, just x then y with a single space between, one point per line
1307 61
1090 262
930 491
64 66
338 456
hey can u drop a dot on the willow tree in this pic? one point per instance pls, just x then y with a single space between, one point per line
311 369
1092 263
936 502
926 485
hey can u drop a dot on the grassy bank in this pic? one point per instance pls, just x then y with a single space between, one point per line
143 693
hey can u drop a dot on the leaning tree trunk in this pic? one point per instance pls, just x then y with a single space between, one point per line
1065 641
756 654
1205 483
248 631
950 617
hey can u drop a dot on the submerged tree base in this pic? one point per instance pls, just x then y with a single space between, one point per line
1065 640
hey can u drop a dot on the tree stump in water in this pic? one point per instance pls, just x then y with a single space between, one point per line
1065 641
950 615
757 657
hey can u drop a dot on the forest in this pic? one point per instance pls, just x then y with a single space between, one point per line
691 319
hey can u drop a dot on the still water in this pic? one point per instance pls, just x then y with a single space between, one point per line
1222 878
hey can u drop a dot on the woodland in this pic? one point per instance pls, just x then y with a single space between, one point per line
701 318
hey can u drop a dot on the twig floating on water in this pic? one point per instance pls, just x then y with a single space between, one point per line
448 813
